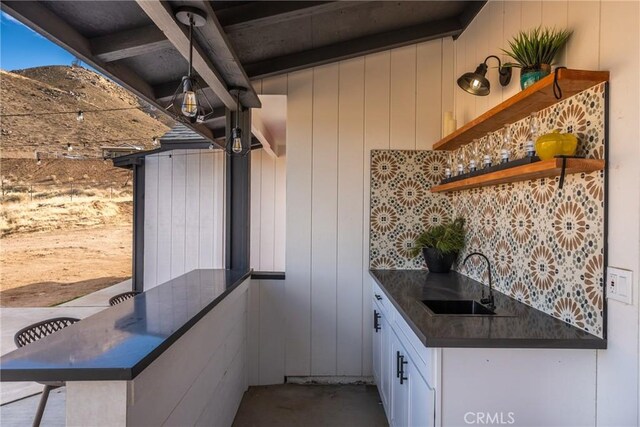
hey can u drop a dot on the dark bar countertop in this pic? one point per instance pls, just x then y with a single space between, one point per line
515 325
119 342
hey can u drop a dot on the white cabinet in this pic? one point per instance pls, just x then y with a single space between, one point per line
399 388
413 401
449 387
406 395
381 359
421 399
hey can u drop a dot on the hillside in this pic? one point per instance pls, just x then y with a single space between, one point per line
66 223
70 88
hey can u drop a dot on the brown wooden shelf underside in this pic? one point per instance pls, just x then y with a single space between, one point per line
541 169
534 98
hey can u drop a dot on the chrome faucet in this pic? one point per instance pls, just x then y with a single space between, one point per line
489 302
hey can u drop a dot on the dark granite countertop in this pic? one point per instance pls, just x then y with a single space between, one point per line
119 342
516 325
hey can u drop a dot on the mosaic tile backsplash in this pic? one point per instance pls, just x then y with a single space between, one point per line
546 244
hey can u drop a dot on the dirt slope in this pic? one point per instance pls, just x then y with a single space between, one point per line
70 88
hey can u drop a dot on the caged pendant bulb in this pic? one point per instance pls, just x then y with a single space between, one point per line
236 142
237 145
189 104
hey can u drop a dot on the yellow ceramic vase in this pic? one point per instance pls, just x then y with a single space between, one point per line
555 144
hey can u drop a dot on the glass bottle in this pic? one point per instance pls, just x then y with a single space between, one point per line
486 158
506 143
449 165
473 156
534 129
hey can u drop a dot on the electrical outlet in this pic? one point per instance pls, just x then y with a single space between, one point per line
619 284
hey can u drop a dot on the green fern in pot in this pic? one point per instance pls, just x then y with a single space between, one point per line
440 245
534 52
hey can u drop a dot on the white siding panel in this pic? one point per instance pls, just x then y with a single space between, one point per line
403 98
619 365
495 15
462 99
253 333
583 48
350 205
164 218
192 214
448 78
428 123
219 197
377 83
298 248
267 213
256 222
324 220
152 170
531 14
512 25
178 212
554 14
272 335
207 196
280 211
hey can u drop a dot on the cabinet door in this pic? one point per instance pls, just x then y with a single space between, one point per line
385 364
421 399
399 389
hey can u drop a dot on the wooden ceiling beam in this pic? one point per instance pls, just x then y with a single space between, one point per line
178 34
126 44
260 14
356 47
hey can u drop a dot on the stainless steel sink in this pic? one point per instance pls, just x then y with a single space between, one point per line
465 307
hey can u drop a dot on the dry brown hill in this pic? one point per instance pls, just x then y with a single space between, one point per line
70 88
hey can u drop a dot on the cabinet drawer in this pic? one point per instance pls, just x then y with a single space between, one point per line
383 302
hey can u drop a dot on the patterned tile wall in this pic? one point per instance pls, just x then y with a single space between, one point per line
546 244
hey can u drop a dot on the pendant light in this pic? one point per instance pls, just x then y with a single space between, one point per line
187 103
234 146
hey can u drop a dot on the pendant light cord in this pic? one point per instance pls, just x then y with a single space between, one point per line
191 23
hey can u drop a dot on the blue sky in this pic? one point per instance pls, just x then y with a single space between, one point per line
21 47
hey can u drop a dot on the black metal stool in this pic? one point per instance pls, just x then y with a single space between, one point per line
117 299
33 333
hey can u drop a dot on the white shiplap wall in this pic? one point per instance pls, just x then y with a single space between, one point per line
606 37
184 213
336 114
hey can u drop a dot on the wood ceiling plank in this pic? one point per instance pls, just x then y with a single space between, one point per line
126 44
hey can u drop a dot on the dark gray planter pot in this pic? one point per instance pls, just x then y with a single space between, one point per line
437 262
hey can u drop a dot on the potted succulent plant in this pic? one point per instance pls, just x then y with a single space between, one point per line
534 51
440 245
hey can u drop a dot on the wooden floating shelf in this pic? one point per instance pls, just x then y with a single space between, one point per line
534 98
537 170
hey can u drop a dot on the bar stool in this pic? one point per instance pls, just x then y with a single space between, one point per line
33 333
117 299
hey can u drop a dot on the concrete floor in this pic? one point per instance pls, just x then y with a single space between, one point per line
311 406
22 412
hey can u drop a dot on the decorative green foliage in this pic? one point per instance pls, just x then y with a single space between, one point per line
535 47
447 238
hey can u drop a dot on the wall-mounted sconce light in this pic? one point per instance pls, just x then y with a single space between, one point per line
477 84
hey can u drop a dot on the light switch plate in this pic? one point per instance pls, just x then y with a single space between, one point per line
619 284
